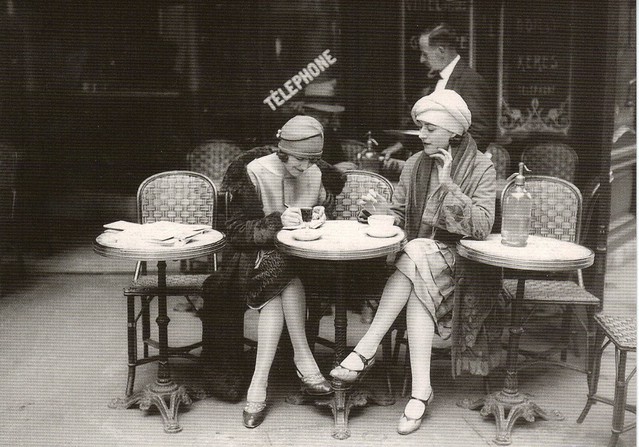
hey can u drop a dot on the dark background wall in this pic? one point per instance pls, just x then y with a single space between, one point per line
98 95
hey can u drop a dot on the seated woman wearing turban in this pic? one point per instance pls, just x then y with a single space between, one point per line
445 192
267 191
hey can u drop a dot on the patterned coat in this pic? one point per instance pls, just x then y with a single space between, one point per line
463 209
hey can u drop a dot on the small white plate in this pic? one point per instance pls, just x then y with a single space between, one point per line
306 235
374 233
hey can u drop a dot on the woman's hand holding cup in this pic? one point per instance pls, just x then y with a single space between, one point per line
374 203
319 213
310 217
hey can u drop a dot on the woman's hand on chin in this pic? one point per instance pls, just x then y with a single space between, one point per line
444 162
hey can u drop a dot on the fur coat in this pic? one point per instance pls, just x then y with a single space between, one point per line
238 282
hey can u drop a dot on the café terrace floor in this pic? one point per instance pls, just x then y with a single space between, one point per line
63 358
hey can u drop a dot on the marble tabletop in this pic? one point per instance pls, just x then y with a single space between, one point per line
540 253
116 244
341 240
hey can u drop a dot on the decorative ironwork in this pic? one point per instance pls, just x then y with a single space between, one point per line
535 118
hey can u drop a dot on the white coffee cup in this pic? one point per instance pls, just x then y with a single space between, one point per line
381 223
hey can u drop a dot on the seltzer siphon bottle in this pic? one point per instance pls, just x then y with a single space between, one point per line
516 208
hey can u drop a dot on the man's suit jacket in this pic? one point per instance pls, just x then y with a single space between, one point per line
474 89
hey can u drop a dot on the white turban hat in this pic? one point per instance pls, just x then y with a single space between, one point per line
443 108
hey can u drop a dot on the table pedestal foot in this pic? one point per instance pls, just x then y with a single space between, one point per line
341 405
507 408
166 397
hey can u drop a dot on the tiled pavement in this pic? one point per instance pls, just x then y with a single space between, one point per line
63 355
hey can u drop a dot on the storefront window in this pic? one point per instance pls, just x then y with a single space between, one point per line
626 97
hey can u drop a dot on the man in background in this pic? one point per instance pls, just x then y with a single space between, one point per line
446 70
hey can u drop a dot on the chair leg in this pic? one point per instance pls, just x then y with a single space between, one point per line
399 338
591 339
566 328
593 374
314 307
406 372
621 390
131 344
146 323
387 345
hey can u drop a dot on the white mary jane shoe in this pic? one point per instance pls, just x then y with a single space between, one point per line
408 425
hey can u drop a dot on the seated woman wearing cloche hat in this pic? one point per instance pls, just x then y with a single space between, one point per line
267 191
445 192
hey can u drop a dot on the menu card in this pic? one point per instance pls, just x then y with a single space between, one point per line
160 233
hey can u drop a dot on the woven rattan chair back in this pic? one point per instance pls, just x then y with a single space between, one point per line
351 148
358 183
212 158
177 196
556 210
551 158
501 160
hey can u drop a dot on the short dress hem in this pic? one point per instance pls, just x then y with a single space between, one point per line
430 267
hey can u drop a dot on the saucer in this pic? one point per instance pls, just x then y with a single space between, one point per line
382 234
306 235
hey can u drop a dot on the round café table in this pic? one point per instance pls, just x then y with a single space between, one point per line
164 393
543 254
341 241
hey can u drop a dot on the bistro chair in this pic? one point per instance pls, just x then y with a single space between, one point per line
556 213
212 158
552 159
358 183
622 333
175 196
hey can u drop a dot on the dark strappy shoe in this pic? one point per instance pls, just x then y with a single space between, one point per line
409 425
314 384
351 375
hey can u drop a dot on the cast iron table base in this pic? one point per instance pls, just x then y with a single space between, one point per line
509 399
544 254
516 405
165 394
345 398
166 397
